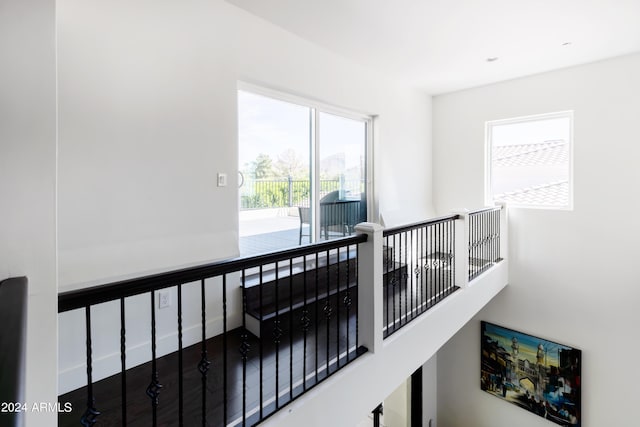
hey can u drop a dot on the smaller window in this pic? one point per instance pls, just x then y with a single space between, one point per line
529 161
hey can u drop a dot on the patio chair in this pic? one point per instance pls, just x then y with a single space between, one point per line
328 222
305 219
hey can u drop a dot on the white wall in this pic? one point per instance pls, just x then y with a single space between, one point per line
28 183
148 117
572 273
147 105
397 406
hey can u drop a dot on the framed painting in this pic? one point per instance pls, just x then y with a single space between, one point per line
533 373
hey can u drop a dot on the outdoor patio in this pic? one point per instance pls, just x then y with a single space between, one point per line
268 230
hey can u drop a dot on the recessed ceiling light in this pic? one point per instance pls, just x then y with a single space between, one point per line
492 59
566 43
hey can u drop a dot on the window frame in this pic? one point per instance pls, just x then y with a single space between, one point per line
318 107
490 124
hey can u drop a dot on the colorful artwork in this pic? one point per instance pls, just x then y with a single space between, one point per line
538 375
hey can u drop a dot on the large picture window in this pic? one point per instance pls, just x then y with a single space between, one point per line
303 170
529 161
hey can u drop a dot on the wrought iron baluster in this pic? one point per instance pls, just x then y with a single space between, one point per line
394 281
499 213
244 349
421 273
436 262
347 300
408 274
483 244
494 241
434 284
497 233
401 284
357 247
305 322
290 315
203 365
277 334
328 311
412 294
453 253
483 221
225 361
490 237
444 258
417 293
90 415
483 234
123 363
441 252
388 273
260 342
337 308
479 243
426 269
472 244
315 309
487 238
490 240
476 245
492 231
180 361
376 415
154 388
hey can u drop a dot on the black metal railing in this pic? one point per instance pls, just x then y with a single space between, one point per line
288 192
418 269
294 325
13 318
484 240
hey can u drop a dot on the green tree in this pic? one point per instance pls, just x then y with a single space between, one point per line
291 164
262 166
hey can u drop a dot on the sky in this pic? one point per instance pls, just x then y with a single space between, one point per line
271 126
528 345
531 132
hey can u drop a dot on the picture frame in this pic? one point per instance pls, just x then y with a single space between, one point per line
536 374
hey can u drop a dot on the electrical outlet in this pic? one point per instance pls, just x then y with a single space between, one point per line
164 299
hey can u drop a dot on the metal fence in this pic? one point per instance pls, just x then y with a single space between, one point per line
484 240
418 270
288 192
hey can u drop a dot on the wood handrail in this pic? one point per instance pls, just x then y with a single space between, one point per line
13 334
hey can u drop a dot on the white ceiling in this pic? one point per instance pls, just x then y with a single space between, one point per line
443 45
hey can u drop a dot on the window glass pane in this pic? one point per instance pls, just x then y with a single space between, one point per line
302 173
274 160
531 161
342 158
